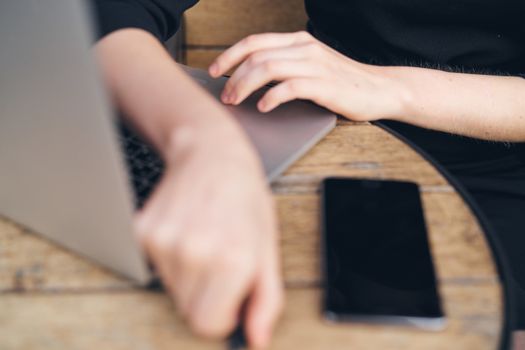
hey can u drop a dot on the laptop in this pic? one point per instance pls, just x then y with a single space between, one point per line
68 170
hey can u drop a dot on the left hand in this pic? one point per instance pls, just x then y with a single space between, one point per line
308 69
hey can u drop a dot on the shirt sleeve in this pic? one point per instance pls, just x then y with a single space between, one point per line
159 17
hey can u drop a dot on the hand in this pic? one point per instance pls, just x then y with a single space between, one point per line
210 230
308 69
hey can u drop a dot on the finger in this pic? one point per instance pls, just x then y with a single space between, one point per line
168 276
265 303
159 206
160 234
240 51
215 307
252 80
155 234
158 247
289 90
147 218
264 309
192 261
259 58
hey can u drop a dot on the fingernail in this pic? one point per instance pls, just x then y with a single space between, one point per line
262 106
214 69
227 94
232 98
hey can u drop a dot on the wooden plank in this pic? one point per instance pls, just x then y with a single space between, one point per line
202 57
29 262
144 320
224 22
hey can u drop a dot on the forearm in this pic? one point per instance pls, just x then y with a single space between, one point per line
479 106
156 95
209 264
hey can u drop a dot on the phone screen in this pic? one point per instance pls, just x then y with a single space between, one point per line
377 260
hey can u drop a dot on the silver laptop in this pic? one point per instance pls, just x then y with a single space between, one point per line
63 171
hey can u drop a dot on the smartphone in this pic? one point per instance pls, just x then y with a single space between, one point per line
377 265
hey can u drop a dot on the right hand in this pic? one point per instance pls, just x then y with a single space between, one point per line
210 230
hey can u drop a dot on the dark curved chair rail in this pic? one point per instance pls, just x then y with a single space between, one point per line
502 264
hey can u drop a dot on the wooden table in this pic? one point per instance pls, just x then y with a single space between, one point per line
51 299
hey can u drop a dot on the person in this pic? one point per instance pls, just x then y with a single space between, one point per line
446 75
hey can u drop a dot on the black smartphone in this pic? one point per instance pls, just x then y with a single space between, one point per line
377 265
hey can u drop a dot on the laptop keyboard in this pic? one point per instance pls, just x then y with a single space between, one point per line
144 164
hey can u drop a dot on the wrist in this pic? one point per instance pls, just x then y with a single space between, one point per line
226 143
403 90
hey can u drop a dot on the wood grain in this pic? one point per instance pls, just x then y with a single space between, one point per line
201 57
212 26
145 320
